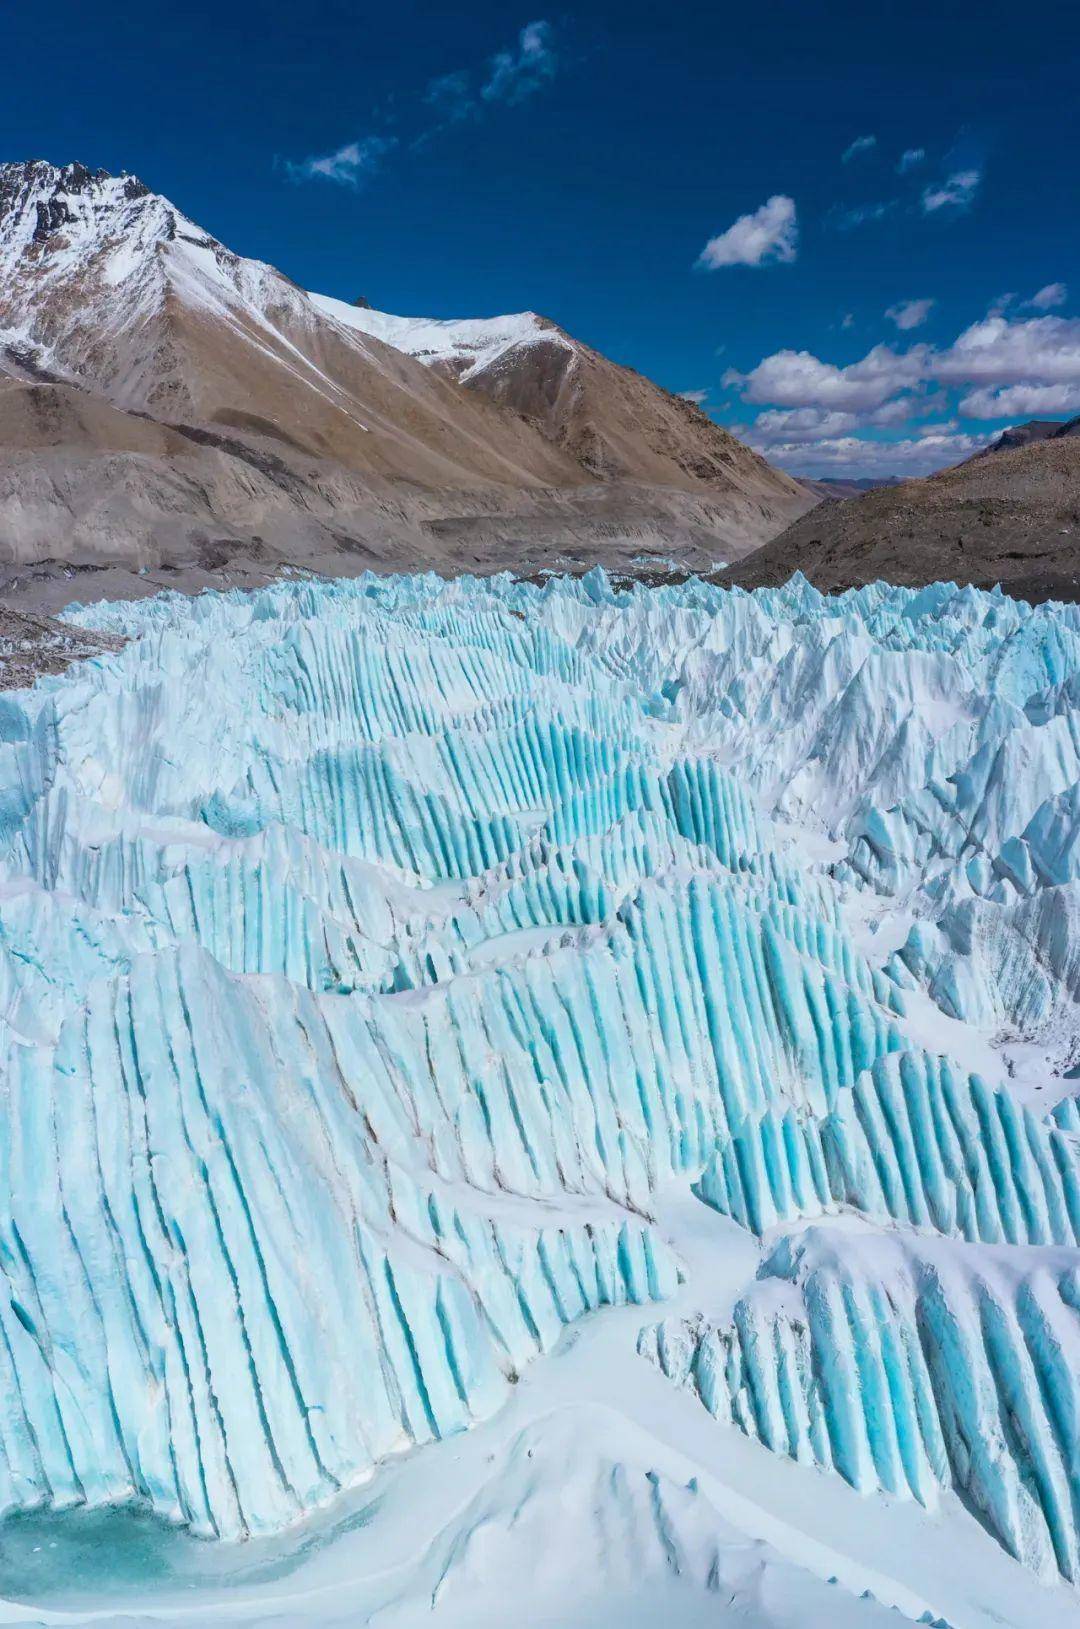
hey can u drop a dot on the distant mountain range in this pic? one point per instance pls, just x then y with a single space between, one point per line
170 408
835 488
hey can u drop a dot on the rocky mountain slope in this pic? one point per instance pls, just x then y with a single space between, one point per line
1022 435
165 402
1012 519
607 418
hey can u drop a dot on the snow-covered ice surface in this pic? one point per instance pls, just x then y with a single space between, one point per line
543 1105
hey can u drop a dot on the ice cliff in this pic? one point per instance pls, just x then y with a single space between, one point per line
372 955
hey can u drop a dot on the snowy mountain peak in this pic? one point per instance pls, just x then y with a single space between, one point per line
56 215
37 175
69 234
88 262
464 347
108 286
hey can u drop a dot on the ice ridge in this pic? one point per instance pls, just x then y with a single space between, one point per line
373 954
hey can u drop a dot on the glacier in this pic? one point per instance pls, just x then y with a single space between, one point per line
385 963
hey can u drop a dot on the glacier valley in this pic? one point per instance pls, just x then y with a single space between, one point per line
543 1105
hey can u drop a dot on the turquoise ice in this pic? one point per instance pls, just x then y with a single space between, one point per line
372 953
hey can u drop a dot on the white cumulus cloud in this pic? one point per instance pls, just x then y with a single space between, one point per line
782 424
817 414
909 313
855 456
995 351
770 233
1022 401
814 423
800 379
1029 365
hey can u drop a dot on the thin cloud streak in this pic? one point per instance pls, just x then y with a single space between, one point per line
861 144
957 192
847 220
509 77
1049 298
519 73
350 166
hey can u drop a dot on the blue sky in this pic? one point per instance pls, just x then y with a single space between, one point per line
718 196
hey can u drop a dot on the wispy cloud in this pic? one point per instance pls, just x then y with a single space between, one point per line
957 192
909 313
861 144
910 159
771 233
509 77
350 166
846 220
698 397
451 95
1049 298
521 71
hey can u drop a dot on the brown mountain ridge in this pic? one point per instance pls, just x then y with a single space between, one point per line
172 412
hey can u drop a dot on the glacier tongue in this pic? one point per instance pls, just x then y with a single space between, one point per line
373 954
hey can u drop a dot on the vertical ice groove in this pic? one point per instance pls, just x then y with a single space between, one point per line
349 1032
930 1367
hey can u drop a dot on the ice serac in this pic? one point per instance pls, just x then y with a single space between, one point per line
912 1141
907 1365
376 956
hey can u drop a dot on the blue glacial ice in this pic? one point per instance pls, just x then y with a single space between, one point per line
374 953
908 1364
